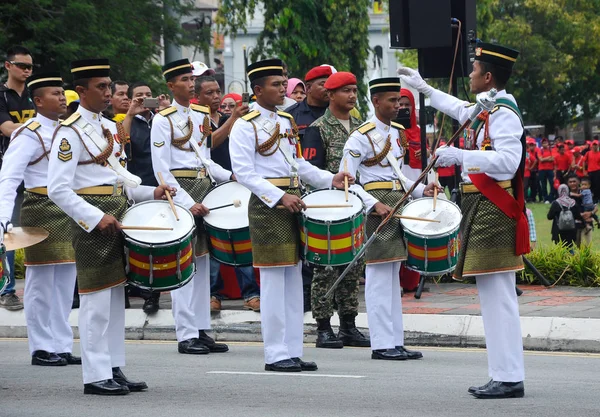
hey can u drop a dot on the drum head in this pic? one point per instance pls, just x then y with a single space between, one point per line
331 197
157 213
446 211
228 218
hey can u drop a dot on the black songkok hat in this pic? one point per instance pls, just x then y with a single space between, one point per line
496 55
44 79
90 68
175 68
266 68
384 85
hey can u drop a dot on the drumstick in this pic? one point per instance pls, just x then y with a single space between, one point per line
168 194
321 206
435 190
236 204
144 228
346 179
421 219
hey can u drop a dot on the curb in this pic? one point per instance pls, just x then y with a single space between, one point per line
539 333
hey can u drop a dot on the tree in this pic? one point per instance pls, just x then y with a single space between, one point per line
306 33
127 32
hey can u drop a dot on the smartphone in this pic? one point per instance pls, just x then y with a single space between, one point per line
245 98
150 103
403 118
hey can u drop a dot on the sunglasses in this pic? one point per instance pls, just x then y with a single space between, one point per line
22 65
228 106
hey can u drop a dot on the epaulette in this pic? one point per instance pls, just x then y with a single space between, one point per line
397 125
72 119
168 111
366 127
199 108
253 114
33 126
284 114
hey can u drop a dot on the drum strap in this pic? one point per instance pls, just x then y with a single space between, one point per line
128 178
268 126
377 141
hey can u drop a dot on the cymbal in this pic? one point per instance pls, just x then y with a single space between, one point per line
23 237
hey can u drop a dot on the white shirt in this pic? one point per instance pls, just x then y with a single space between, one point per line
65 175
23 149
505 131
166 157
251 168
358 148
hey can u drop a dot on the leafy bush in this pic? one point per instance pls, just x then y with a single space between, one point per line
19 267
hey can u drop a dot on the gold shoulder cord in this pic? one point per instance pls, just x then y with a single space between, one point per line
43 155
263 149
181 142
378 157
206 128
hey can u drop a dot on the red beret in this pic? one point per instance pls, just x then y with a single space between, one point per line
322 71
570 142
339 80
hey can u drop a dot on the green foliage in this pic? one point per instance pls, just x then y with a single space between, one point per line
127 32
19 266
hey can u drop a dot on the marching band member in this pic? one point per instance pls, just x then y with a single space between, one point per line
492 201
180 150
85 179
50 273
376 150
266 158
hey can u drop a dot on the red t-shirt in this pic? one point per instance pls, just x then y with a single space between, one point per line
579 162
548 165
562 162
592 161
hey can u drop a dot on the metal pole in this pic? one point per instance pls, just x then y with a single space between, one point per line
422 117
172 50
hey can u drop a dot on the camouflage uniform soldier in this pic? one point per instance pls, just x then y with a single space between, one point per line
323 145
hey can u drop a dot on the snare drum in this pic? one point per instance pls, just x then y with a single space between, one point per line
335 235
228 228
159 260
4 271
432 247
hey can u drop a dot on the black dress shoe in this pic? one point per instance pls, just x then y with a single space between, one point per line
474 388
410 354
43 358
120 378
151 305
210 343
286 365
353 337
327 339
497 389
306 366
105 387
70 358
388 355
192 347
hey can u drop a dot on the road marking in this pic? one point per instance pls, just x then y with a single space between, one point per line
285 374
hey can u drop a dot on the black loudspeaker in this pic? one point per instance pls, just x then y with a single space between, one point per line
413 24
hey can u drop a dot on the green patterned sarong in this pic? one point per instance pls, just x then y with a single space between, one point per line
488 238
389 245
197 189
38 210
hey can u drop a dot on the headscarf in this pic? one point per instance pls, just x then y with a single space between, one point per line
292 84
414 133
563 197
234 96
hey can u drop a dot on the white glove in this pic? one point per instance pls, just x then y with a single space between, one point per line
448 156
413 79
6 225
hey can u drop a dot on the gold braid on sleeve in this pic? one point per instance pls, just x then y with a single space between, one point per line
180 143
378 156
263 148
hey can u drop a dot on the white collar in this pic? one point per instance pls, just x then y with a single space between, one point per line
264 112
44 121
380 125
90 116
180 108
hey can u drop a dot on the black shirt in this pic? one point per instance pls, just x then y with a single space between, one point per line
304 115
14 107
139 157
220 155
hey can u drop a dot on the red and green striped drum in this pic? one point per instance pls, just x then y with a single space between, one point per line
228 228
432 247
3 268
159 260
335 235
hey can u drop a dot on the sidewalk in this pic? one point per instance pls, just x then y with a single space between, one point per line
560 318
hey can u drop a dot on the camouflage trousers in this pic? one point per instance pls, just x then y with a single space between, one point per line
345 296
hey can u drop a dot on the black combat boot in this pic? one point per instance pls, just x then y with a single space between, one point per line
350 335
326 338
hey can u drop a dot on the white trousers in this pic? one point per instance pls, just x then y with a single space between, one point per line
191 303
102 333
384 305
282 312
48 300
502 326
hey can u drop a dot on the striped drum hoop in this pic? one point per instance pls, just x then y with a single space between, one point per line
159 260
332 236
432 247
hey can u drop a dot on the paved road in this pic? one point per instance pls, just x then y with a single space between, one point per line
348 383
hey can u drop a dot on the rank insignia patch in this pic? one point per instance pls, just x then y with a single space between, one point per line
354 154
65 153
159 144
